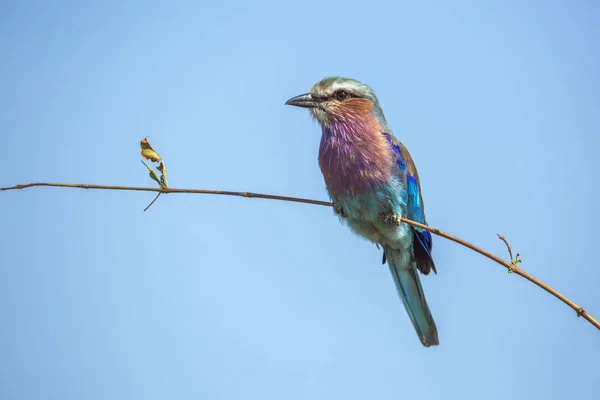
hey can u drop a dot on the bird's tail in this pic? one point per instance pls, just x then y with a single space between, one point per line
410 291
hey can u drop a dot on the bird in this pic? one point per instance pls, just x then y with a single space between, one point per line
372 182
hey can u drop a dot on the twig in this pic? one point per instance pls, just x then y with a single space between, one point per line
513 260
511 267
170 190
152 202
507 245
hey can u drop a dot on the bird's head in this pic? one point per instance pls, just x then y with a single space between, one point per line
337 99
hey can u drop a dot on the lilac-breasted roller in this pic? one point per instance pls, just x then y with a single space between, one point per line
372 181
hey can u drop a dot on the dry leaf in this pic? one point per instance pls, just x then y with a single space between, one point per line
149 154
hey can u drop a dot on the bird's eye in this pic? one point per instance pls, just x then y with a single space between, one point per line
341 95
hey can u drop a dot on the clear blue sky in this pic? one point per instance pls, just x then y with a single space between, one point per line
207 297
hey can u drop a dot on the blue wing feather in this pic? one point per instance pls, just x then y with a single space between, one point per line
423 243
400 162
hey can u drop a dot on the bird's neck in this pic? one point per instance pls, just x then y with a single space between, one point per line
354 156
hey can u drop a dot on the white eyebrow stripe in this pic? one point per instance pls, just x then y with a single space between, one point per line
348 85
356 88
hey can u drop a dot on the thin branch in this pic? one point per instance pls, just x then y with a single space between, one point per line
511 267
513 260
170 190
152 202
507 245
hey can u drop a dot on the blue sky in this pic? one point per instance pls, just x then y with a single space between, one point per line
225 298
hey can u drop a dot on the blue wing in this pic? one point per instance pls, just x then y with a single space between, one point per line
414 206
422 239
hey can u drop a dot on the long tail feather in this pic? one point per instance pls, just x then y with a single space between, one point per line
410 291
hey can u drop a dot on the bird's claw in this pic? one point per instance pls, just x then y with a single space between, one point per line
339 210
393 219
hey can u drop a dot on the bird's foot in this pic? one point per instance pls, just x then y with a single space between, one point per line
339 210
393 219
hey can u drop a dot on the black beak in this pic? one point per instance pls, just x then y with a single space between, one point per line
304 100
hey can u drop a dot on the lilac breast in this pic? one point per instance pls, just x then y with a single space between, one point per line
354 157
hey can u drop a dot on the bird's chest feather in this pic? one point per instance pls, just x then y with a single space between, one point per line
358 167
